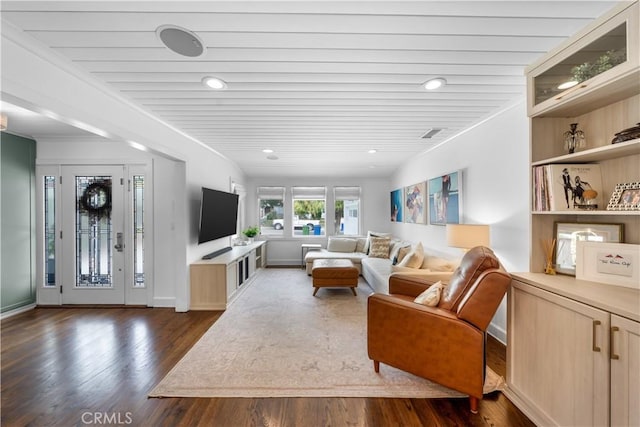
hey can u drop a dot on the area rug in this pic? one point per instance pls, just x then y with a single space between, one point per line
277 340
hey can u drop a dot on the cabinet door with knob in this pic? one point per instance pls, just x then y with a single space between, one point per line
558 357
625 371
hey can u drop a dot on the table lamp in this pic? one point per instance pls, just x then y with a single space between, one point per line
467 236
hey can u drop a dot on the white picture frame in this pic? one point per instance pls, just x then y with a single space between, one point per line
568 233
615 264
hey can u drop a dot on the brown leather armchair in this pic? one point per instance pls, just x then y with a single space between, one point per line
444 344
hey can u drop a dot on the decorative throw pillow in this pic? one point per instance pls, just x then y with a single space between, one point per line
402 253
414 258
430 297
379 247
371 234
361 242
394 248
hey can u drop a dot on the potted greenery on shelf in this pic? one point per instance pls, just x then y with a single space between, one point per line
251 232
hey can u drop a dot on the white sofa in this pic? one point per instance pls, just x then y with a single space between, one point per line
351 248
377 270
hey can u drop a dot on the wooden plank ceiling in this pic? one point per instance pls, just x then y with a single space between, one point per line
319 83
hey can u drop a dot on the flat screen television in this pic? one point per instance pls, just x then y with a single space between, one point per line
218 215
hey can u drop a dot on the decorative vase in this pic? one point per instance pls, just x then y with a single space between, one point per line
549 246
573 138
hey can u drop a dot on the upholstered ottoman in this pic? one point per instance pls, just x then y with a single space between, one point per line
330 273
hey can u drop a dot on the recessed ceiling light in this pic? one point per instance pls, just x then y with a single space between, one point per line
434 83
267 150
214 83
180 40
372 151
567 85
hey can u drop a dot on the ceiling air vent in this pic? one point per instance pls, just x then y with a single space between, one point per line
431 133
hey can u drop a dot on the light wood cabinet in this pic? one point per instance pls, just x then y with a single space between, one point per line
605 54
559 359
214 283
608 103
562 333
625 372
573 351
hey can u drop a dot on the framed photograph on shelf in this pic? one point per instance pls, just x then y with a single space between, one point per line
625 197
445 199
568 234
610 263
396 204
414 209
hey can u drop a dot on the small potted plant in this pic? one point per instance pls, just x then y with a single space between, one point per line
251 232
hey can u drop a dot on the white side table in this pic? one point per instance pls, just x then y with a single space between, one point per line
306 247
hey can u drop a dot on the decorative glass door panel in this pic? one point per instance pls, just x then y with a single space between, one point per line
138 231
93 231
49 222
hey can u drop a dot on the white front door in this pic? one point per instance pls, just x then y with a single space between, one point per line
93 230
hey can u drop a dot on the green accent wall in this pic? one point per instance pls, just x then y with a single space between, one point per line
17 210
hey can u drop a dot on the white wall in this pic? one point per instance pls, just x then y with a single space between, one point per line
38 80
494 159
286 251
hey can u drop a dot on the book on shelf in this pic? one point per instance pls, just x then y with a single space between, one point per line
567 187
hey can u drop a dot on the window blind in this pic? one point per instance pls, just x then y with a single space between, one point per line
309 193
271 193
346 193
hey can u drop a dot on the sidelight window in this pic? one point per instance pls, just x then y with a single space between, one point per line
50 231
138 231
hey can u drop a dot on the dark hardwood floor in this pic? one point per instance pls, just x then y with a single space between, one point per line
95 366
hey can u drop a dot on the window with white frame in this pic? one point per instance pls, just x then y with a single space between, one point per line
347 210
49 230
271 211
309 211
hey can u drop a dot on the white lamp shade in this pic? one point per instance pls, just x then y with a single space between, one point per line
467 236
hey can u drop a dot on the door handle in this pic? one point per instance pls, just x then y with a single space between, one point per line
612 353
596 323
119 246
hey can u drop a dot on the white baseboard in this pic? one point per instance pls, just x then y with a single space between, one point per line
284 263
18 310
537 416
498 333
168 302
